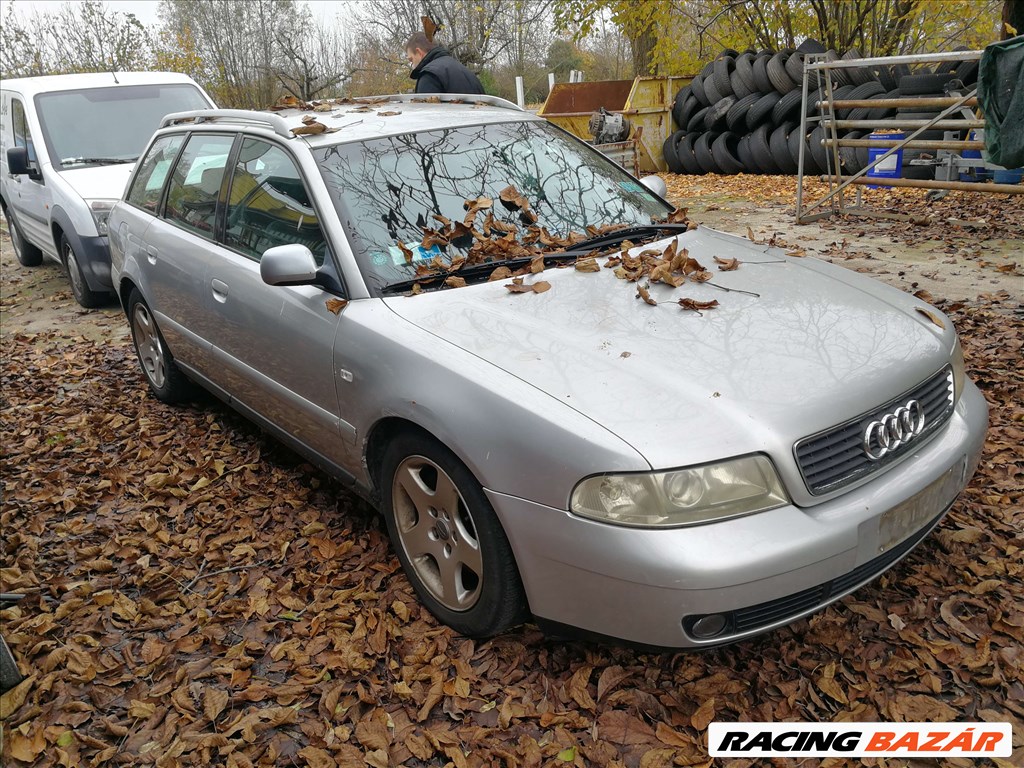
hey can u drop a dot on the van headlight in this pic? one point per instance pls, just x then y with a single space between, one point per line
679 497
956 360
100 210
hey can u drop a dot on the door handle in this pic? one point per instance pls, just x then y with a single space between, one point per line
220 290
151 254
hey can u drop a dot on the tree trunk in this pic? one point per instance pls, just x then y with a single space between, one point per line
643 43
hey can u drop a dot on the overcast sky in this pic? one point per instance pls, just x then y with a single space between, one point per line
146 10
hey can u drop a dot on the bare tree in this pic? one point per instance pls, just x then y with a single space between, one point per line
317 58
75 37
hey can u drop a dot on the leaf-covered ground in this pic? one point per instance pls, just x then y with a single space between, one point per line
200 596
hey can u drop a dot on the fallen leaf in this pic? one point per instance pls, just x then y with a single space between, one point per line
336 305
588 265
727 265
643 293
931 316
697 306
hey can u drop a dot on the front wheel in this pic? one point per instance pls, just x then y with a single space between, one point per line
83 294
449 540
165 379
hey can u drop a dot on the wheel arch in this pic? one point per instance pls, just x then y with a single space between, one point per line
382 433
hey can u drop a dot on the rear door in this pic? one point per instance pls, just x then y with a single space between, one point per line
273 345
179 244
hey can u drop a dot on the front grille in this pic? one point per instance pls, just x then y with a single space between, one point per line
762 615
836 457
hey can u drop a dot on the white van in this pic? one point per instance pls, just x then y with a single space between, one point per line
67 146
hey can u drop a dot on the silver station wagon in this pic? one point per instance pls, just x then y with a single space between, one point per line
568 402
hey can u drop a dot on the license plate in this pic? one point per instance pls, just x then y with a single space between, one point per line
909 516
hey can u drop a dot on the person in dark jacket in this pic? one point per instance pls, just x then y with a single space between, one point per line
437 71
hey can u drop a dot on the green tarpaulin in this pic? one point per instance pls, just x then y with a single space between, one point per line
1001 96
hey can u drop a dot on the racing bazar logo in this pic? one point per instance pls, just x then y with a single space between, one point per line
859 739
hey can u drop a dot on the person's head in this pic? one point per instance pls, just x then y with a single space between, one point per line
416 47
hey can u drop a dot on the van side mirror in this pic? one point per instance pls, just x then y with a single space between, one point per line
288 265
17 161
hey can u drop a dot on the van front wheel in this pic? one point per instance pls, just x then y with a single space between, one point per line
83 294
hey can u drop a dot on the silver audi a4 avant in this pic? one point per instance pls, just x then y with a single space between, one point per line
568 402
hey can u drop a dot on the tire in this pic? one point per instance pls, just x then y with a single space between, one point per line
745 71
760 70
857 75
761 109
866 91
715 119
684 151
708 70
745 156
839 76
697 87
842 92
166 381
724 66
818 152
27 254
967 72
679 105
711 91
448 539
810 45
780 79
924 85
795 68
702 151
778 144
849 157
787 107
696 121
80 289
723 150
793 143
668 149
739 87
761 150
887 78
736 118
811 167
880 113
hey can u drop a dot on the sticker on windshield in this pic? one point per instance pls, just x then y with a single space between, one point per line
631 186
419 253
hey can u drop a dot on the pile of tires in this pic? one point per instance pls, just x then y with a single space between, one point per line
742 113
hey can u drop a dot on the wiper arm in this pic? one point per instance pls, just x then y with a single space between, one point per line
474 270
97 160
620 235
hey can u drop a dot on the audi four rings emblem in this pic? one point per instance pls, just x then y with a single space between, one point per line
893 430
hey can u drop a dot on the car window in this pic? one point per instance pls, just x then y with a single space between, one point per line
149 180
195 183
269 205
22 135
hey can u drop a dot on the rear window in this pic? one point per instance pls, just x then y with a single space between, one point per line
94 126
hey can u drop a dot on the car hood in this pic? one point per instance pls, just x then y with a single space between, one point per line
99 182
816 346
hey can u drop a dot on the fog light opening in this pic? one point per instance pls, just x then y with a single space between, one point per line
707 627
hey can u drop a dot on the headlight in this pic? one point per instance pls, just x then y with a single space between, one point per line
956 359
682 496
100 213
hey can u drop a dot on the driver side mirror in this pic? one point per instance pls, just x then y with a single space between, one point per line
288 265
17 163
656 184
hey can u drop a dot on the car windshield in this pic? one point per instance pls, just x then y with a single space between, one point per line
389 191
98 126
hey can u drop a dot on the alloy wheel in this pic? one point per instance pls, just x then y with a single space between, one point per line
149 345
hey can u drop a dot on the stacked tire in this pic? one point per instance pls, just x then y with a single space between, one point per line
742 113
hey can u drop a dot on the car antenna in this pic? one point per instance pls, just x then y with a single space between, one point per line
113 74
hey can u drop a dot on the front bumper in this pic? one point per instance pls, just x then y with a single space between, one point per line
642 586
94 259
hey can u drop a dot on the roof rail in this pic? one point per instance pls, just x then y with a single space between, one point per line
468 98
276 123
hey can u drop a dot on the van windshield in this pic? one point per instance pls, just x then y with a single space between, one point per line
100 126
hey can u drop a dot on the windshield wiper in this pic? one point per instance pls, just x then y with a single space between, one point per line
473 270
97 160
620 235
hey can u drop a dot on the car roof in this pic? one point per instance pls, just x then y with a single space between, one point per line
30 86
363 118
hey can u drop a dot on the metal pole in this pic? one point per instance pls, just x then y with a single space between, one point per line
520 98
965 186
920 58
883 143
551 81
909 101
803 148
